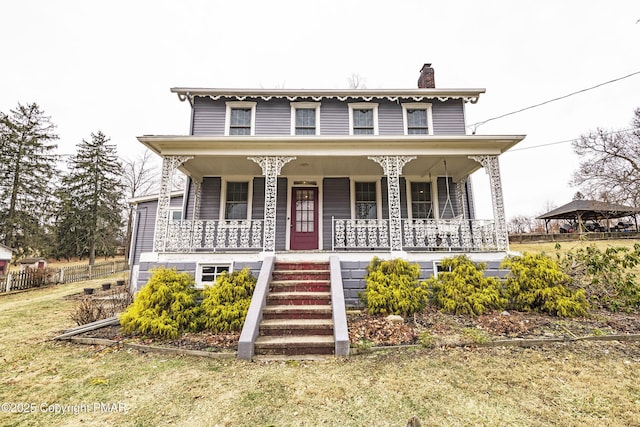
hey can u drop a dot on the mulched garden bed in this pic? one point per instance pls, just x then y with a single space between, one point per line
443 329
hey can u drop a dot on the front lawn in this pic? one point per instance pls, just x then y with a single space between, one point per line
562 384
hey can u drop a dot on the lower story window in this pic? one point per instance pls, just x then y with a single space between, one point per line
421 206
366 204
207 274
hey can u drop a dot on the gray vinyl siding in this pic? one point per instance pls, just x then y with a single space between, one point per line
447 208
448 117
334 117
145 225
188 212
257 203
390 118
281 219
273 117
335 203
208 116
210 198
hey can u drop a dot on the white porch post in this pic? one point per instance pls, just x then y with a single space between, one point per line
271 167
392 167
491 165
169 165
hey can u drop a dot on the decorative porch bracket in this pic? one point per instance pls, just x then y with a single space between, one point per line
271 167
169 166
392 167
491 165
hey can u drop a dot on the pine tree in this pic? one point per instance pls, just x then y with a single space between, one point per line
89 220
28 173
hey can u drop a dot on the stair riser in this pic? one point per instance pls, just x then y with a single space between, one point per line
300 287
294 315
295 331
273 351
301 275
272 300
300 266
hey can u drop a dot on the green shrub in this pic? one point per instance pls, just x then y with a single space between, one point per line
608 277
165 306
535 282
463 289
226 303
393 288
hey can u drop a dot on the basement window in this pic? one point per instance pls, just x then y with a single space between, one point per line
207 274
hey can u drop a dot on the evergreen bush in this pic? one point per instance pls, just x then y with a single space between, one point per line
225 304
608 276
393 288
165 306
463 289
535 282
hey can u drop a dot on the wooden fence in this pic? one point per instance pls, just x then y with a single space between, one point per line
36 277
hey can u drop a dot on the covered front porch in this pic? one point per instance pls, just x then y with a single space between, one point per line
308 199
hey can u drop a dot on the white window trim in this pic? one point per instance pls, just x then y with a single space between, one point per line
223 195
363 106
434 195
418 106
199 266
304 105
240 104
352 196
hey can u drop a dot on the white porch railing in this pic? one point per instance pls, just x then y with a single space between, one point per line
417 234
360 233
449 234
213 235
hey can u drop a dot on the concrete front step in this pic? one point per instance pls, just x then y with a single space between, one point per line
300 275
296 312
299 286
299 298
284 327
295 345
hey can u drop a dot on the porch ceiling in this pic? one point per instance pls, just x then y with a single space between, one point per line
331 156
316 166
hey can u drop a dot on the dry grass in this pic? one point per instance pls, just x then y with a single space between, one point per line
577 384
549 247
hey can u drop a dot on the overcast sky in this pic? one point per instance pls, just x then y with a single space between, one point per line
108 65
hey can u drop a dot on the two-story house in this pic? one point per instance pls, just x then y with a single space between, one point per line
304 174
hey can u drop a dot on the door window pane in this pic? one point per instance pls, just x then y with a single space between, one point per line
305 211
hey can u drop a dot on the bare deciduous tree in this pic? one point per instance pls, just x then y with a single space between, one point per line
140 178
356 81
610 165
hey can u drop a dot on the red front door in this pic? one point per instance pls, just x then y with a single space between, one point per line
304 218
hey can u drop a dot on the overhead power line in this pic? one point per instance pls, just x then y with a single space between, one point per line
476 125
569 140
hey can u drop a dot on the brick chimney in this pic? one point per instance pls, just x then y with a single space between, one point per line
426 80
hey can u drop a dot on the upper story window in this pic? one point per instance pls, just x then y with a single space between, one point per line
363 118
240 118
417 118
305 118
421 203
237 200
